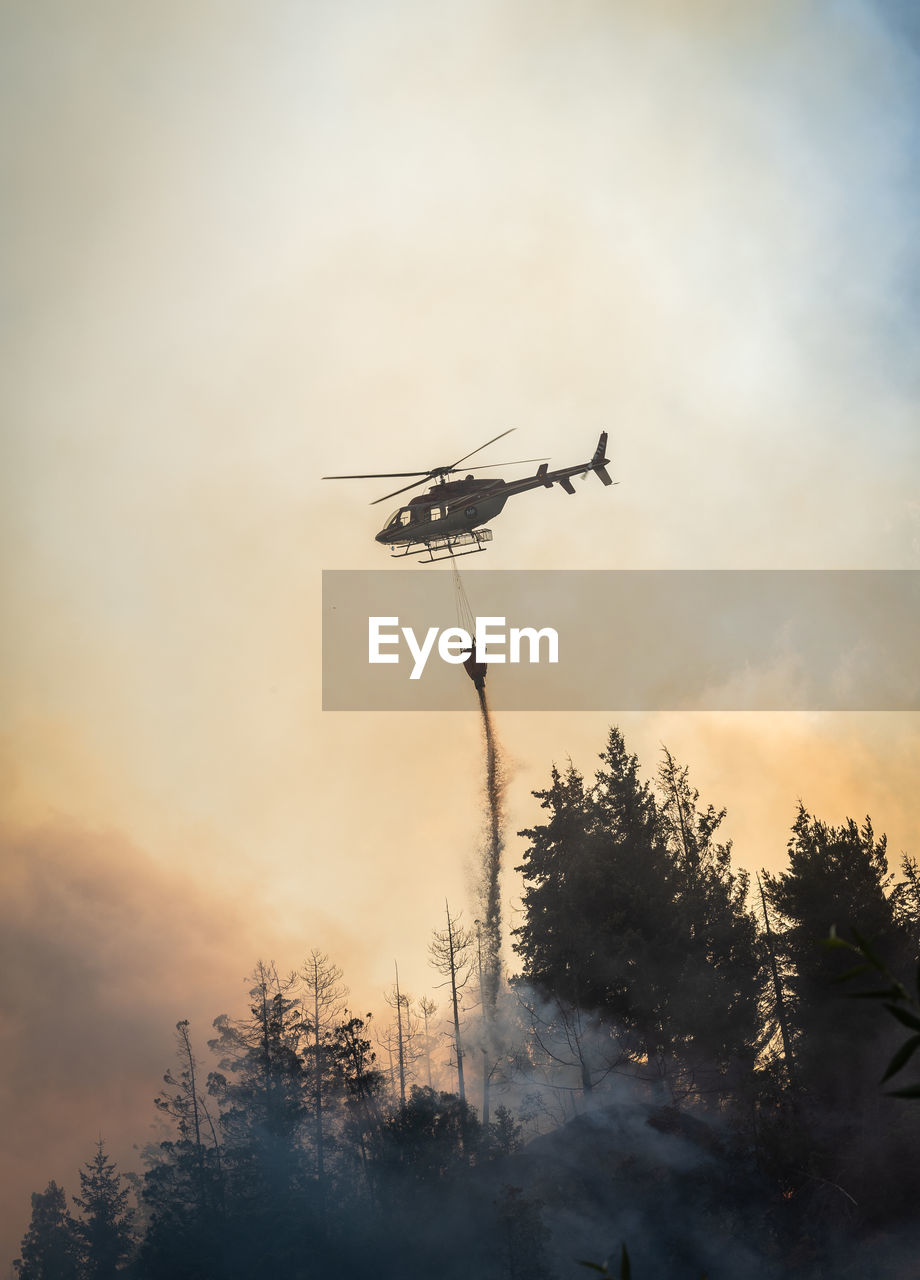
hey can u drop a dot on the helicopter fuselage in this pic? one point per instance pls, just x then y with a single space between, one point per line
452 508
456 506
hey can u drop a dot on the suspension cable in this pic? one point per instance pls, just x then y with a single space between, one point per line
465 616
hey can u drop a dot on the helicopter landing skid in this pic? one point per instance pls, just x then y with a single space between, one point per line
474 540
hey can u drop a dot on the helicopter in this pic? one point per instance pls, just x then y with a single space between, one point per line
446 520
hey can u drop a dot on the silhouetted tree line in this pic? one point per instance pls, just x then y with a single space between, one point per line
657 984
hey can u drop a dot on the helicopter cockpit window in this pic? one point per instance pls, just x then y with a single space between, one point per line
405 516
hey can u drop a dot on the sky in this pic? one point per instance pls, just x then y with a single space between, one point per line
246 246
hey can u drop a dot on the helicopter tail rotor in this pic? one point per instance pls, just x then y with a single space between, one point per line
599 461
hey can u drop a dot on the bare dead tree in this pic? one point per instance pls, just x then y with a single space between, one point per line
427 1008
400 1002
571 1037
324 1002
450 952
189 1108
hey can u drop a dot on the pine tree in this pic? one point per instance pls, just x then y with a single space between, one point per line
182 1191
50 1247
597 902
860 1144
431 1137
262 1091
105 1229
719 979
634 913
906 899
837 876
361 1081
550 940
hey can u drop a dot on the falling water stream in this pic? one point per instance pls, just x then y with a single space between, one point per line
491 860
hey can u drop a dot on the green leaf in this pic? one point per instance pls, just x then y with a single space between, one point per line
905 1016
912 1091
854 972
902 1057
593 1266
833 943
865 949
885 993
625 1269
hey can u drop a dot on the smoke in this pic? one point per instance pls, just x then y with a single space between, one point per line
621 1162
103 949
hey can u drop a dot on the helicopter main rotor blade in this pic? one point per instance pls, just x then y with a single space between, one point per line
481 447
381 475
415 485
429 475
517 462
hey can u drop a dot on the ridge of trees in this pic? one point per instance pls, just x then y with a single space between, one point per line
646 956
